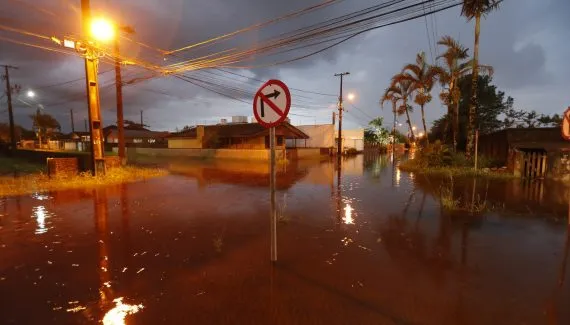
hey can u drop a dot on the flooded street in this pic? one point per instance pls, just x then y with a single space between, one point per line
193 248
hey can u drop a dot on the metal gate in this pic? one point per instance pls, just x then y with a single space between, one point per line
534 164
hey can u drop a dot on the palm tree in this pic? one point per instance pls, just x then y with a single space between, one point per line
400 90
422 76
389 96
456 66
475 9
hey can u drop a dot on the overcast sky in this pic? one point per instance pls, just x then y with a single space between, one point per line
526 41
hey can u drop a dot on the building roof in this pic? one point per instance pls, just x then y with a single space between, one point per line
130 133
243 130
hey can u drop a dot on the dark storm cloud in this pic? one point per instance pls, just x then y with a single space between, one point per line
522 41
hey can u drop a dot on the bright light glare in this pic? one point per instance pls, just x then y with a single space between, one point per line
348 220
351 96
414 128
102 30
421 134
116 316
31 94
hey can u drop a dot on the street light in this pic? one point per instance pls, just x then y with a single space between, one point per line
414 128
31 94
351 96
102 29
421 134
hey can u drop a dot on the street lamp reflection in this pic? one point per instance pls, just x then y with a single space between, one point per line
40 214
348 220
116 316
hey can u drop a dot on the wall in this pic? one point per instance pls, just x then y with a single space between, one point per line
304 153
320 136
248 143
352 139
188 143
249 154
40 156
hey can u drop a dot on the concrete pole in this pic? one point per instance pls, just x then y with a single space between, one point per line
91 65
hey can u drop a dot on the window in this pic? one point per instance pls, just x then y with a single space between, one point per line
151 140
136 140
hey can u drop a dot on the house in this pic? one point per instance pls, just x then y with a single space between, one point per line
326 136
140 137
529 152
233 136
320 136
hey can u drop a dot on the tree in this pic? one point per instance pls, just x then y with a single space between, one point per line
389 96
400 90
5 132
44 125
376 133
494 106
456 67
475 9
422 76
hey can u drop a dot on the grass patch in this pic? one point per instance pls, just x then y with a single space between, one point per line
412 166
9 165
10 186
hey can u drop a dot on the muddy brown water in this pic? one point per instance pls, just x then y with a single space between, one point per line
193 248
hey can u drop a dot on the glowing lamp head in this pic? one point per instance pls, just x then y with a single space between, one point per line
351 96
31 94
102 30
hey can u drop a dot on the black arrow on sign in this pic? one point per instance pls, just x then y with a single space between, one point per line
274 94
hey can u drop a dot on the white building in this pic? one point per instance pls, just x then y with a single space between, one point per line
325 136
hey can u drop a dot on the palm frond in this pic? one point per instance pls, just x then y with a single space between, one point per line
474 8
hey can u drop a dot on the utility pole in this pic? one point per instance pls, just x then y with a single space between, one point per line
142 118
340 109
119 89
10 112
72 124
94 105
86 128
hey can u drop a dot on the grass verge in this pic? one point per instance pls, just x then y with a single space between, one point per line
10 165
412 166
10 186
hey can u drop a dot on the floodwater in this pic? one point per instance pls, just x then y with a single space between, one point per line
193 248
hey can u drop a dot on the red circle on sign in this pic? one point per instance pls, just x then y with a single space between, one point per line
565 127
257 97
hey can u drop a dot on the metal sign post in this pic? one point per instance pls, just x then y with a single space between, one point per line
271 105
272 181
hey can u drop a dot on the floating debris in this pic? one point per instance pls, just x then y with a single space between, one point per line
124 269
139 271
75 265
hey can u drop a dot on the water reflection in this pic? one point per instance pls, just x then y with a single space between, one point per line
116 316
40 213
348 220
351 243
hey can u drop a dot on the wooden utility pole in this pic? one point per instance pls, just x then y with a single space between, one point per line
119 89
340 109
72 123
142 118
10 112
86 127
